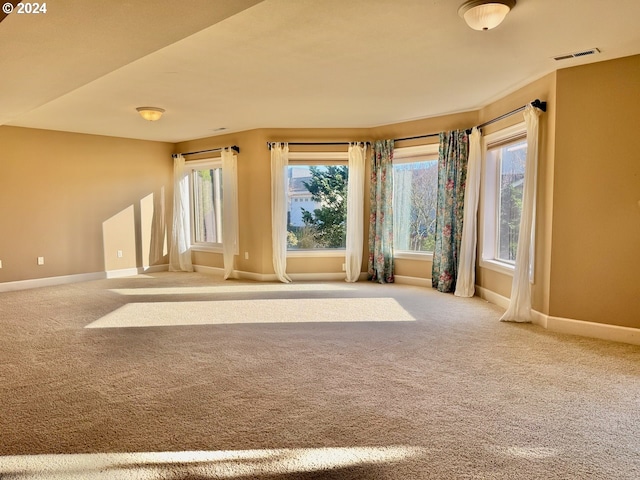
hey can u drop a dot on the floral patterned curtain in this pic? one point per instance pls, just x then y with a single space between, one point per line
453 156
381 216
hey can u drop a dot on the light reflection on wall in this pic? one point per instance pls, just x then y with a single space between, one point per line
140 235
119 234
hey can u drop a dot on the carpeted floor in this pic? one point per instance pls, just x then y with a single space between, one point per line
411 385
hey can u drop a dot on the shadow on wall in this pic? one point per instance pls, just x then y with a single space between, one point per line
137 235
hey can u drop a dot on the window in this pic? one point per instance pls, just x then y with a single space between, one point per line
206 204
317 208
511 160
415 190
505 160
317 202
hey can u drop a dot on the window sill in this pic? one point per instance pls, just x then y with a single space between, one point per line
497 266
409 255
317 253
206 248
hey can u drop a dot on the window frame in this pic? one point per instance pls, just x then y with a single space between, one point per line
414 154
488 238
317 158
202 164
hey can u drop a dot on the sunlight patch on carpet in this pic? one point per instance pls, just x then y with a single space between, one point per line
299 310
199 464
235 288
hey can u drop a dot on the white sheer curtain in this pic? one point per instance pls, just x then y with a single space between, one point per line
180 253
465 283
279 163
355 211
229 210
520 303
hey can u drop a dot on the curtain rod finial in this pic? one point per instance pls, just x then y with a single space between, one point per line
538 104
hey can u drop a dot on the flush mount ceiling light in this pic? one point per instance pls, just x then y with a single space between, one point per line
485 14
150 113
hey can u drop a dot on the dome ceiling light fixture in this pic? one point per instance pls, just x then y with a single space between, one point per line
150 113
485 14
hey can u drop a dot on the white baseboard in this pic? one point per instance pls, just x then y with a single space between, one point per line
320 277
613 333
208 270
271 277
492 297
570 326
130 272
123 272
238 274
50 281
417 281
257 277
79 277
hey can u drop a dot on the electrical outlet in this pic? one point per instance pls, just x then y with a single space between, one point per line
119 253
0 263
246 255
344 267
40 260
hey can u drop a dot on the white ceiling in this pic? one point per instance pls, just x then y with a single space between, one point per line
242 64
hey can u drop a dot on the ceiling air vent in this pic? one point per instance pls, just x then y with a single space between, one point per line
577 54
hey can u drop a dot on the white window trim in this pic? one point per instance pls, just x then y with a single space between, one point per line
309 158
413 255
204 247
215 162
299 157
326 253
408 155
487 244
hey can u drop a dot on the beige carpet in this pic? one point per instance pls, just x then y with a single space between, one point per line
373 382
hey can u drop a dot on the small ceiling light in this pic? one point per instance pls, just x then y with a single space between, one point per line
150 113
485 14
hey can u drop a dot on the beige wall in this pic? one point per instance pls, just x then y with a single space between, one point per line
254 197
254 188
77 199
588 188
254 194
595 274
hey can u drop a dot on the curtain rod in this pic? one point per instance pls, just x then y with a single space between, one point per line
416 137
536 103
232 147
316 143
